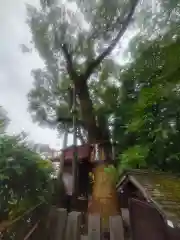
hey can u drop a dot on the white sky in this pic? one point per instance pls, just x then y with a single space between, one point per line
15 71
15 68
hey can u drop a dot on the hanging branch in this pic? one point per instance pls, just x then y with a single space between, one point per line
68 57
95 63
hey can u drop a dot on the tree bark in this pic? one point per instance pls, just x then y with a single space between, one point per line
87 111
104 196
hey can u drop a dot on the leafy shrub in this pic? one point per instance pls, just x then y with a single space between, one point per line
25 178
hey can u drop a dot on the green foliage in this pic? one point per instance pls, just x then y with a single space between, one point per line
134 157
112 171
151 101
25 178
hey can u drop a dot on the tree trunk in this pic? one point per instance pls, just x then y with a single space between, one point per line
87 111
104 196
97 129
104 189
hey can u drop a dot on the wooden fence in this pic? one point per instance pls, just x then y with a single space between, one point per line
68 227
56 224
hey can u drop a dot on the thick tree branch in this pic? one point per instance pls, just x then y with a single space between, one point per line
69 62
95 63
87 111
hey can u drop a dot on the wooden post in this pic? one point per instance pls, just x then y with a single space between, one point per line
75 159
73 226
61 223
116 228
94 227
57 223
84 237
61 165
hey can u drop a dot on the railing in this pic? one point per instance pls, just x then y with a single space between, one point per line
27 226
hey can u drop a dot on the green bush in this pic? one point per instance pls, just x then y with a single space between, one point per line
25 178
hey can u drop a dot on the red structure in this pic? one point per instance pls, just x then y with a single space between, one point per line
84 166
83 153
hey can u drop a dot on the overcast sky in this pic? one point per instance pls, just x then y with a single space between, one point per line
15 71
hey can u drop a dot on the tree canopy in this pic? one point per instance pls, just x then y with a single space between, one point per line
73 39
136 103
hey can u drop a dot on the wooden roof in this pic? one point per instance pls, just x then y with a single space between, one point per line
163 189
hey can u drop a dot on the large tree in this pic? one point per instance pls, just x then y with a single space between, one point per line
74 39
